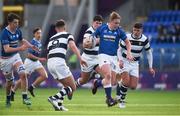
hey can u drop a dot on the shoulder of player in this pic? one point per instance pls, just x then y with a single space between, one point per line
144 38
102 27
61 35
90 30
4 31
18 31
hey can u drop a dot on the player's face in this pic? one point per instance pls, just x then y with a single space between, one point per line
96 24
38 34
14 24
115 23
137 32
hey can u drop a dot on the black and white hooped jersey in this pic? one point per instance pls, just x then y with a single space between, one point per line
137 45
58 44
92 51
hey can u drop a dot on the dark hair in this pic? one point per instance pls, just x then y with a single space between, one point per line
36 29
114 15
12 16
60 23
98 18
138 25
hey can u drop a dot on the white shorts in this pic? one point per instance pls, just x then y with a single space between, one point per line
58 68
107 59
92 62
8 63
131 67
31 66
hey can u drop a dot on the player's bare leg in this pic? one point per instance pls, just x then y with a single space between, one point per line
133 82
24 82
97 82
43 76
106 70
14 88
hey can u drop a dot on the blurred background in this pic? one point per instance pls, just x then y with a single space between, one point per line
161 19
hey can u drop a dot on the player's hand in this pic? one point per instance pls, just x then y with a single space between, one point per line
130 57
35 48
87 42
42 59
83 63
26 43
23 48
121 64
152 71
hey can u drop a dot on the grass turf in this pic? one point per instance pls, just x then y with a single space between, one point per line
139 103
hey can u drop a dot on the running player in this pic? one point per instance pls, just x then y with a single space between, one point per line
57 48
90 55
33 63
130 70
110 34
10 58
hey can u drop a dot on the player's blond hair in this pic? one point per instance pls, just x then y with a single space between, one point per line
114 15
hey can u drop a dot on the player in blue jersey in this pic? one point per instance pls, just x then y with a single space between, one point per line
10 58
110 34
33 63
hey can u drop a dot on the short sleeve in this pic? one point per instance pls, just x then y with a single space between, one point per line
122 34
70 38
147 45
4 38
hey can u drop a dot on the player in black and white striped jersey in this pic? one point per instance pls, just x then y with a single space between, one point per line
90 54
130 70
57 48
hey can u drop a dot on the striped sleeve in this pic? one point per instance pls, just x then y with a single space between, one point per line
70 38
147 45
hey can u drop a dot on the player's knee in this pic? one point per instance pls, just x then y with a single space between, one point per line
133 87
113 83
83 81
44 76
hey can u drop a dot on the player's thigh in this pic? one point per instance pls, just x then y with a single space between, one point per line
106 70
85 76
68 81
133 82
98 70
42 72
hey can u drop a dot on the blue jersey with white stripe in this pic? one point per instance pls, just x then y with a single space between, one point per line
10 38
109 39
37 44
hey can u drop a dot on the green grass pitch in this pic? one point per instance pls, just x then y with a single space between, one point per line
139 103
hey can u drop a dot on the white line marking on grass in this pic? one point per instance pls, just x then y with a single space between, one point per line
131 105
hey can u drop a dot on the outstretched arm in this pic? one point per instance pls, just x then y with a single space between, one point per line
73 47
